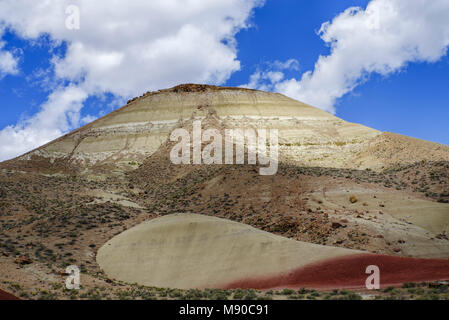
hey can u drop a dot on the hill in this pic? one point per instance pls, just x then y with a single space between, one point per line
339 186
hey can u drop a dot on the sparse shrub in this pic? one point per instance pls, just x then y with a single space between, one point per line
303 291
354 296
288 292
250 295
238 295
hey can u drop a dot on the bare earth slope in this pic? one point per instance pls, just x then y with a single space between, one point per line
196 251
340 188
307 204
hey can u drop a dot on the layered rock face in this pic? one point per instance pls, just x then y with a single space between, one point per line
306 134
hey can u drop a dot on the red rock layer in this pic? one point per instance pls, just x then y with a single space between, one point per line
349 272
7 296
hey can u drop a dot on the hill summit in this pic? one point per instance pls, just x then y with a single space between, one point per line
307 136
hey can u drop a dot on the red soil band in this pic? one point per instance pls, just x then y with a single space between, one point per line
7 296
349 272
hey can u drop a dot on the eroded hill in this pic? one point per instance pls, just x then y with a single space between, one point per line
338 184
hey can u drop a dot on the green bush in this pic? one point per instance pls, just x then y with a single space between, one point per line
288 292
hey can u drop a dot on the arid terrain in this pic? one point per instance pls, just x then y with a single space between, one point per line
107 198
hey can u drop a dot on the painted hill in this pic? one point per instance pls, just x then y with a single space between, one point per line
196 251
344 195
308 136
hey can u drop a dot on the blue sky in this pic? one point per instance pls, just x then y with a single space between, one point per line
414 101
58 79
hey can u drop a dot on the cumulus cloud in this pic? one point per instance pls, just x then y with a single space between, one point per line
272 74
382 39
8 63
124 48
58 115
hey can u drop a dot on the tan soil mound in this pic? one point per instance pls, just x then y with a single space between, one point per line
389 150
197 251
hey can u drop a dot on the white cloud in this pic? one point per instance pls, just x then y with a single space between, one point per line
125 48
57 115
382 39
8 63
273 73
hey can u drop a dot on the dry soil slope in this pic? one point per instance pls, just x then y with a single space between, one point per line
197 251
389 150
